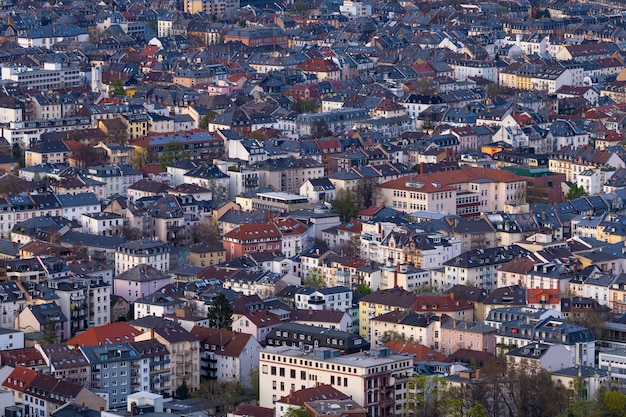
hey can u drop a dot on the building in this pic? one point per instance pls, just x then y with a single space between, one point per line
381 302
539 356
339 298
139 281
227 356
114 370
305 337
252 238
184 351
408 326
462 334
376 380
204 254
465 192
142 252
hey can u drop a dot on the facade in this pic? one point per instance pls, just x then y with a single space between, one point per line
139 281
184 351
376 381
339 298
142 252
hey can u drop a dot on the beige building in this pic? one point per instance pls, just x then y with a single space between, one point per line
184 351
375 380
204 254
408 326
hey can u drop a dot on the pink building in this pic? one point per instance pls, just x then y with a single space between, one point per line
139 282
460 334
260 323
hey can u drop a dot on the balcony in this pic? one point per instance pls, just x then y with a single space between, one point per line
159 371
173 227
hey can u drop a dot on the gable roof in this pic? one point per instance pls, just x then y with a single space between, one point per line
106 334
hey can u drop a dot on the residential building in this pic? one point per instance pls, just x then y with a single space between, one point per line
311 337
333 298
227 356
138 281
142 252
375 381
381 302
184 351
408 326
462 334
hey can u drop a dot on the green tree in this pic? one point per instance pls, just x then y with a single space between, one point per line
18 154
172 152
182 392
315 278
390 335
220 314
117 88
614 404
477 410
300 8
153 24
345 205
130 315
575 192
296 412
217 397
49 334
206 119
254 382
363 288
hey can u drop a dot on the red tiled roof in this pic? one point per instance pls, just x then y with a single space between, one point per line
254 231
447 178
319 392
28 357
422 353
20 379
107 334
544 296
252 410
233 343
289 226
518 266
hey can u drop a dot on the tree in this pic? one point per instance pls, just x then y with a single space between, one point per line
350 248
303 105
614 404
206 119
85 156
363 289
18 154
426 396
131 233
218 396
205 232
575 192
131 312
220 314
296 412
320 129
172 152
117 88
426 86
300 8
49 334
345 205
182 392
315 278
153 24
390 335
140 157
254 381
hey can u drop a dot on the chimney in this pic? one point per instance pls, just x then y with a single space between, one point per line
452 296
422 168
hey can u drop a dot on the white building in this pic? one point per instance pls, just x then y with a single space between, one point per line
11 339
336 298
102 224
375 380
142 252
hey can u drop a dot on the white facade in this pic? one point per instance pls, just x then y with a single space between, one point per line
289 369
11 339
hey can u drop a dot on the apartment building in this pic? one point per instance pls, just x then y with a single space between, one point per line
376 379
465 192
184 349
142 252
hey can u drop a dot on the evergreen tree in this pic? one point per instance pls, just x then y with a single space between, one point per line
221 313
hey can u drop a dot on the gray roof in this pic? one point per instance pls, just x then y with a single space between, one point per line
79 199
142 273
